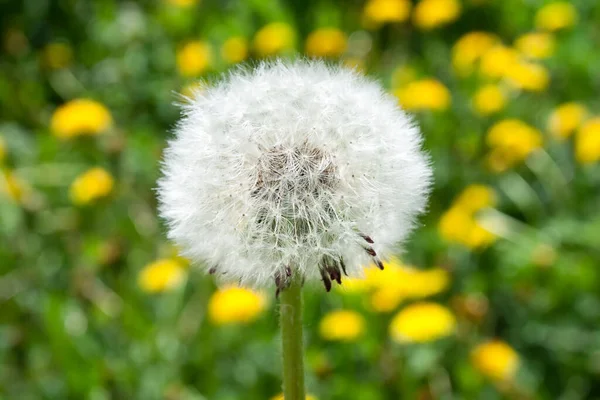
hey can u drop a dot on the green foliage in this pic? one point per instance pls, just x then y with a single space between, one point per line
75 324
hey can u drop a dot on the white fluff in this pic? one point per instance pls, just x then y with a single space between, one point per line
282 167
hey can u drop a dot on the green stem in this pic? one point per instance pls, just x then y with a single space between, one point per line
291 339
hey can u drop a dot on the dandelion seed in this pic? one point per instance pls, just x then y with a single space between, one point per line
292 169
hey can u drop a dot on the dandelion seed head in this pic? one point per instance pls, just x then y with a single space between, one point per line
292 168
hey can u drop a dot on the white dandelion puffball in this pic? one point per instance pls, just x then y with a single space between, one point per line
290 169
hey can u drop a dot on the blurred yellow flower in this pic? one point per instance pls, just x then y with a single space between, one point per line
469 49
161 275
499 160
280 397
386 298
235 50
183 3
232 305
458 225
425 94
565 119
273 39
342 325
11 186
496 360
413 283
194 58
535 45
403 75
476 197
528 76
2 150
587 142
514 137
422 322
489 99
354 285
326 42
384 11
93 184
498 60
430 14
555 16
397 282
80 117
57 55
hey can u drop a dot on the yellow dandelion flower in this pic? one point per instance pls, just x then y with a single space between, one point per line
274 38
376 278
425 283
12 187
556 16
528 76
496 360
499 160
93 184
426 94
2 150
353 286
430 14
343 325
387 298
479 237
469 49
587 142
80 117
194 58
476 197
233 305
497 60
489 99
161 276
57 55
458 225
403 75
536 45
326 42
235 50
386 11
565 119
280 397
395 283
422 322
515 137
183 3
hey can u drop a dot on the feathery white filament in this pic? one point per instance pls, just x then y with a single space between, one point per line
285 166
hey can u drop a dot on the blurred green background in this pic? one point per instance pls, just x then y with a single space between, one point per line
497 294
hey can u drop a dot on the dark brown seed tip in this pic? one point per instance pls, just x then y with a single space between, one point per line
366 237
212 270
370 251
379 263
326 280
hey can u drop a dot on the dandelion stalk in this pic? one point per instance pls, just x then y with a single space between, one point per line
291 340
